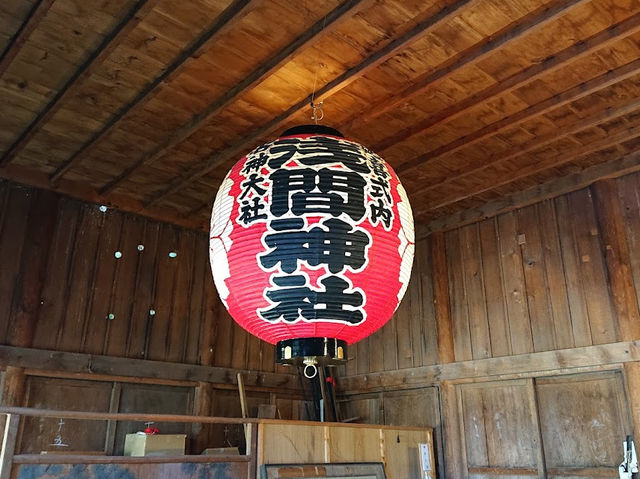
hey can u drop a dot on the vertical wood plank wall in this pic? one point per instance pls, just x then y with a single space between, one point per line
535 279
73 283
526 281
409 339
530 280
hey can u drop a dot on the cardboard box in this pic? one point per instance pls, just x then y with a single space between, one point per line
154 444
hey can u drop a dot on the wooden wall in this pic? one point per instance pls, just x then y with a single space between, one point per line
409 339
58 393
530 280
517 340
62 287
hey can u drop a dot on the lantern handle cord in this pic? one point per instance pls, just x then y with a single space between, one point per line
317 107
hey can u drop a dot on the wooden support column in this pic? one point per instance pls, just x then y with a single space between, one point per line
625 302
33 268
441 298
9 445
614 239
13 386
452 459
26 305
201 407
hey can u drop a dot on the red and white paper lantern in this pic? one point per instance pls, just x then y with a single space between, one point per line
311 243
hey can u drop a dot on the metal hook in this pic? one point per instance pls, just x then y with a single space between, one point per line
316 107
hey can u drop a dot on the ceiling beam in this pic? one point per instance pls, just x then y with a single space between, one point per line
580 91
208 163
540 141
86 193
223 23
321 28
128 22
506 177
625 165
37 13
550 64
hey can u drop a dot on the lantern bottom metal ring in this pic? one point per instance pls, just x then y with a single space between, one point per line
325 351
310 371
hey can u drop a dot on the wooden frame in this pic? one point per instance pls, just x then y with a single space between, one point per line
360 470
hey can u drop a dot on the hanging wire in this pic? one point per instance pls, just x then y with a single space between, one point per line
316 108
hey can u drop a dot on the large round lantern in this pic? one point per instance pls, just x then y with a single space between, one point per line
311 244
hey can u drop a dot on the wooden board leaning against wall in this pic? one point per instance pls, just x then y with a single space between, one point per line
543 312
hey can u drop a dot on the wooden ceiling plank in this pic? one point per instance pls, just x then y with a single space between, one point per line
321 28
532 169
539 142
625 165
128 22
37 13
342 81
84 192
550 64
580 91
223 23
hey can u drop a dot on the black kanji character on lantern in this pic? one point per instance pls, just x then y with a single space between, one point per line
334 299
253 184
317 150
324 191
337 246
381 212
293 300
378 167
380 187
255 160
250 211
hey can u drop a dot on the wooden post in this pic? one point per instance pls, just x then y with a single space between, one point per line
8 445
625 303
201 407
632 383
29 284
440 276
614 239
33 269
12 389
452 438
13 386
252 449
243 404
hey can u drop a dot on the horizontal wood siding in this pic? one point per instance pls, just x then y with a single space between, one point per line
143 305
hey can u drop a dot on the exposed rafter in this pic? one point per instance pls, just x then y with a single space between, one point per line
537 143
95 59
37 13
552 63
321 28
473 102
629 163
505 178
84 192
391 49
225 21
580 91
